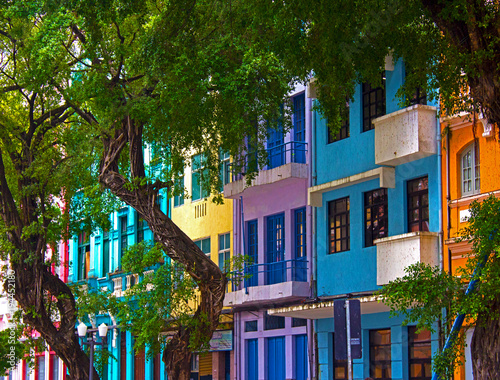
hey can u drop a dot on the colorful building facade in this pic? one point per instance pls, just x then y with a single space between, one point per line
470 159
376 209
210 226
272 227
95 262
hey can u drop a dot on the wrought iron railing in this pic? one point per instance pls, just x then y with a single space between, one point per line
292 151
270 273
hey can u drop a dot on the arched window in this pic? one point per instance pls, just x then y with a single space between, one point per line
469 165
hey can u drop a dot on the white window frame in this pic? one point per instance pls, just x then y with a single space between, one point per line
470 175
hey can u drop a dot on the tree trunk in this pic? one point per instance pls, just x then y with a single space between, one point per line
35 286
485 345
177 357
177 245
62 339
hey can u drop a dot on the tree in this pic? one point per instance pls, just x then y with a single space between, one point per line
11 349
450 45
424 291
87 85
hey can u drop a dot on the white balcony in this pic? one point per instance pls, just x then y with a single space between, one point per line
405 135
287 163
271 283
395 253
268 294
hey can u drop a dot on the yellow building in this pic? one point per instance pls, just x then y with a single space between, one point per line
471 156
211 227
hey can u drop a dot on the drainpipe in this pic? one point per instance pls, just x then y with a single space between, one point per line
459 320
448 197
313 182
440 196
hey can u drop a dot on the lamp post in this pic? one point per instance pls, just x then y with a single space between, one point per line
82 333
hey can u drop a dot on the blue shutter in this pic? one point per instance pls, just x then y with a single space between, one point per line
301 357
252 359
252 252
275 147
276 358
299 130
276 270
300 263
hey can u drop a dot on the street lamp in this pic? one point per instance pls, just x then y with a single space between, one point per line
82 333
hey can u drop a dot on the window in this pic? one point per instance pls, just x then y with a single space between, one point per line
299 129
380 354
376 220
225 169
54 367
300 233
195 362
252 252
250 326
419 97
339 365
179 192
198 190
40 368
275 144
272 322
373 104
123 236
299 272
299 322
224 250
418 205
276 269
141 226
83 255
338 217
105 252
343 132
469 165
419 352
204 245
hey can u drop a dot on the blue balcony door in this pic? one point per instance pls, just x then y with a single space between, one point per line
252 359
301 357
276 358
299 272
251 269
299 129
275 147
276 269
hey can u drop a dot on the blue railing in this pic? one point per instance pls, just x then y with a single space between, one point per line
292 151
272 273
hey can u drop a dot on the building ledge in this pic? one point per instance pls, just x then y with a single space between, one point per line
385 174
465 201
290 171
405 135
396 253
321 310
271 294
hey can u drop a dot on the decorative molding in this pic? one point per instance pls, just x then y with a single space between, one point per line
466 201
384 173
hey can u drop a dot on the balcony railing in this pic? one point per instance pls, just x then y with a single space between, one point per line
292 151
272 273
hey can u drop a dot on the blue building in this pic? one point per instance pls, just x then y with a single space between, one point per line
376 210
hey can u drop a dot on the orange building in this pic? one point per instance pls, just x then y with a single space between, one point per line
470 170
